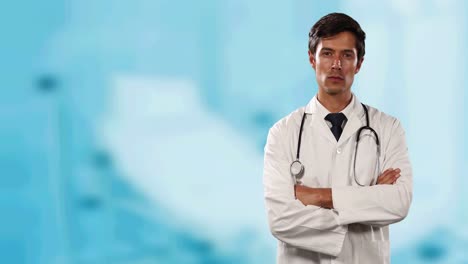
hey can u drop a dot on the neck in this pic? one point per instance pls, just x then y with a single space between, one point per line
334 102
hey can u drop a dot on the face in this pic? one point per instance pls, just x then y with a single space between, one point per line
335 63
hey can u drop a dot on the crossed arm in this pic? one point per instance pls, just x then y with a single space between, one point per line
322 197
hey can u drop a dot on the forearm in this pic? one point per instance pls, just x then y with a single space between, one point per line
321 197
307 227
373 205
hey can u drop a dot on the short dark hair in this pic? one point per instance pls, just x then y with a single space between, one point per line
333 24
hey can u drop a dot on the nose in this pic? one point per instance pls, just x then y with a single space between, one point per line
336 64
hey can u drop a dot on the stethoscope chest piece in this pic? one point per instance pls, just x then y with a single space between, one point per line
297 171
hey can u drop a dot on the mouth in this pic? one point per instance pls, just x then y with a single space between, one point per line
335 78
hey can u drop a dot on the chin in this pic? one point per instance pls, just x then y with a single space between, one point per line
334 91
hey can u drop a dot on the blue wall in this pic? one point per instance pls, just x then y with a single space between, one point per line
133 131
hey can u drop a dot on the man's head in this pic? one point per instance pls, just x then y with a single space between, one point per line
336 52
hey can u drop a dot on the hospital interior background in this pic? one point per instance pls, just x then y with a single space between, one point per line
133 131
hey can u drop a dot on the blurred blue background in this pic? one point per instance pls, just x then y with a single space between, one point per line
133 131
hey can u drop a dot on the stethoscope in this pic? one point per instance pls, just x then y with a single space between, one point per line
297 169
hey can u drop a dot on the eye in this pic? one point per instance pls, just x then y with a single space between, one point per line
349 55
327 53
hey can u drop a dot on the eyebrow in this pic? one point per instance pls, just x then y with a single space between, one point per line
330 49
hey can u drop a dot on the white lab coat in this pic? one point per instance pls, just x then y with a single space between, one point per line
356 230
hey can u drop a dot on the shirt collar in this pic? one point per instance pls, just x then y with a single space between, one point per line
315 107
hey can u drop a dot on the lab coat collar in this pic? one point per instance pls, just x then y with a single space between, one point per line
354 112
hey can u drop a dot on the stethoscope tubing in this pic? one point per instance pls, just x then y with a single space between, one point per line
298 174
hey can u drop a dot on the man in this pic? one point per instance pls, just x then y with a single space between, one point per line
335 205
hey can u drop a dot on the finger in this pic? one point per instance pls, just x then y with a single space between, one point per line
396 178
388 177
393 176
385 176
390 180
391 172
386 172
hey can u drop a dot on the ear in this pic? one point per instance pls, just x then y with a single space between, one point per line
359 64
312 59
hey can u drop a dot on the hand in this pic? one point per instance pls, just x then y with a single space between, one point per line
389 176
314 196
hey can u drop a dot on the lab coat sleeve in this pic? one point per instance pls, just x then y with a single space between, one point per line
379 205
306 227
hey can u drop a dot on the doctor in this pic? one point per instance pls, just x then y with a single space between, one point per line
336 172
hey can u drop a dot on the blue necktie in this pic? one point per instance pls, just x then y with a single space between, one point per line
337 121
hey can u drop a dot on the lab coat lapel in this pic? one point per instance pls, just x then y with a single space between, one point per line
351 127
323 130
355 121
318 123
